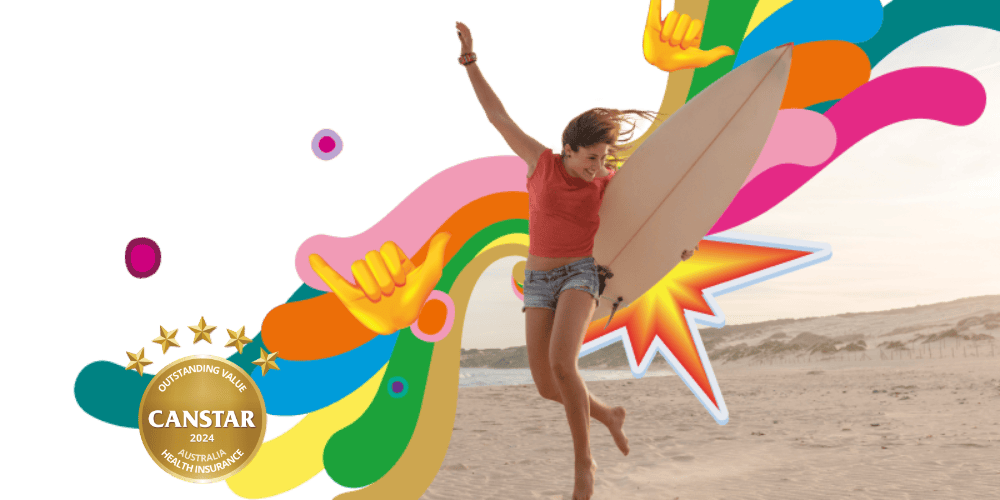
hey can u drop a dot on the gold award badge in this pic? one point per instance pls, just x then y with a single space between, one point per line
202 418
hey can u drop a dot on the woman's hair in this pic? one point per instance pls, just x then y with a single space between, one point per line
603 126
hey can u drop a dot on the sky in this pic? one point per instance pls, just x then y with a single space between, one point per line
912 214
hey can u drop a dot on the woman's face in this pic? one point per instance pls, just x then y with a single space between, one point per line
587 162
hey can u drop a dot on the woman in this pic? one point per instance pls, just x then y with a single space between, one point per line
561 278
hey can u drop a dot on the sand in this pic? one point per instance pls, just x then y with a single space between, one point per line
796 431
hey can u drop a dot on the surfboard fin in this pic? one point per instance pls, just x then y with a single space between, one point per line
603 275
614 308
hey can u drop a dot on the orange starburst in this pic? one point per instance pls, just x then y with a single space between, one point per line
664 318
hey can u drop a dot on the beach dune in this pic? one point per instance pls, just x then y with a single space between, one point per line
883 422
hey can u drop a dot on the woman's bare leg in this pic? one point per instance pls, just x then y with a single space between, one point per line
573 313
538 326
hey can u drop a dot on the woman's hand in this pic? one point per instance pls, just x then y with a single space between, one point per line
687 254
465 36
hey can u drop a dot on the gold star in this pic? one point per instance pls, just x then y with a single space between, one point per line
237 339
201 331
166 339
137 361
266 362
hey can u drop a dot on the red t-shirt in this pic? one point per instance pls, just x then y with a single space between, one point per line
562 209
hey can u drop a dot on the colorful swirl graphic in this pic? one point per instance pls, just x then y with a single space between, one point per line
379 410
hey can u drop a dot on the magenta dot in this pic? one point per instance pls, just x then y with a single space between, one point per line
143 258
327 144
397 387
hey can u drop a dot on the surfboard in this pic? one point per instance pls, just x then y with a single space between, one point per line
675 186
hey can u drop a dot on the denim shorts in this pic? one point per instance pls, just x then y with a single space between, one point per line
542 288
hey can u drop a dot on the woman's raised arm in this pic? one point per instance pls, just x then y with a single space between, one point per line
522 144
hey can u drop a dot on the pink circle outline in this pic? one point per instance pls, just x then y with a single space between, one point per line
156 257
449 318
332 155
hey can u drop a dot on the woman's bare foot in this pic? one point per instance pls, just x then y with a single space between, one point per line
583 488
615 426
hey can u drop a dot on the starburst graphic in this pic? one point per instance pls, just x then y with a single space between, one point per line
665 318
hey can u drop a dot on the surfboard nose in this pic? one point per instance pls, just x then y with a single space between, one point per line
694 165
784 64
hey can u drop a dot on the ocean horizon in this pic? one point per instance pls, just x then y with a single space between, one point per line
484 377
